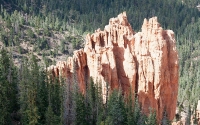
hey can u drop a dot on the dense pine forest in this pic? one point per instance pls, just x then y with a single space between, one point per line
36 33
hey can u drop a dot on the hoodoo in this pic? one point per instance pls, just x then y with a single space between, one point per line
145 63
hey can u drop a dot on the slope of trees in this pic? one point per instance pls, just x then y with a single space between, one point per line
26 96
171 14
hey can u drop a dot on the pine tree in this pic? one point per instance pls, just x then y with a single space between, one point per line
67 102
93 101
42 98
8 93
54 102
28 92
51 118
23 89
116 109
151 120
133 110
81 111
75 91
130 110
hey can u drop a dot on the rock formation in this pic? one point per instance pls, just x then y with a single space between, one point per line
75 69
145 63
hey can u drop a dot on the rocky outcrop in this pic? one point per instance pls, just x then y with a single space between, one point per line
109 57
145 63
74 70
157 59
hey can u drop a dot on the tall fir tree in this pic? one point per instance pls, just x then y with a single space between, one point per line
8 87
28 90
116 109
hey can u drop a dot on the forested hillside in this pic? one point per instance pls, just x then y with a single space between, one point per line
37 33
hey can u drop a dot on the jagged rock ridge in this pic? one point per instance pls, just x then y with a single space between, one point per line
145 63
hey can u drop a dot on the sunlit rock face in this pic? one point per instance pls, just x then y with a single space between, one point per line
145 63
157 69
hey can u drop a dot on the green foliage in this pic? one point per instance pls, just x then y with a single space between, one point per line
42 43
8 93
74 43
89 17
51 118
39 100
47 32
42 96
62 47
31 33
81 111
151 118
94 103
116 109
28 92
134 114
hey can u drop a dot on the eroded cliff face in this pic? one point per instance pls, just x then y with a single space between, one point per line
75 69
145 63
157 59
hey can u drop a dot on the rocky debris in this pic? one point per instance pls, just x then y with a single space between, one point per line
145 63
186 119
198 112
